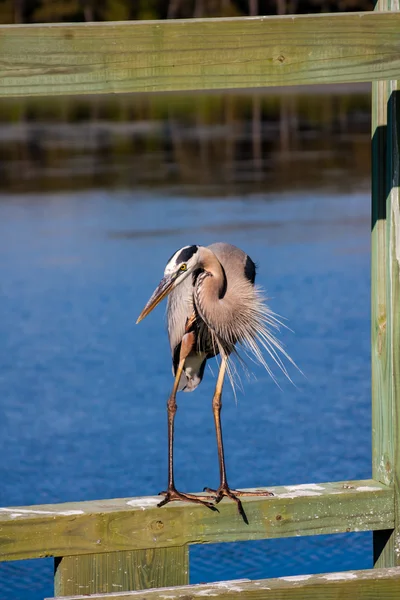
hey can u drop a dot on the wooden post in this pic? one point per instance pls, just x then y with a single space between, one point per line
121 571
385 301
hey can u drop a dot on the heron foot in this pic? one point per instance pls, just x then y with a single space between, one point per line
172 494
225 491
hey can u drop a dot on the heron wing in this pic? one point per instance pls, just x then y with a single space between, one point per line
252 322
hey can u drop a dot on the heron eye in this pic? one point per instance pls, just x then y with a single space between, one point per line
183 267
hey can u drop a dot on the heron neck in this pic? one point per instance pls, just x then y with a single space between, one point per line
215 279
211 295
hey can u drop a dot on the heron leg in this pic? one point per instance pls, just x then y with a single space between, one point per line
172 493
224 489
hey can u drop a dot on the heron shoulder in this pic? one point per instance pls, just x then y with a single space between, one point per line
250 269
234 259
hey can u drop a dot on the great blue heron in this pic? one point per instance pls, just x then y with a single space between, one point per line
213 304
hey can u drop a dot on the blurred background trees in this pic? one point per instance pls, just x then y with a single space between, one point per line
39 11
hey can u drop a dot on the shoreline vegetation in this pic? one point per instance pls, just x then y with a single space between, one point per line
46 11
207 144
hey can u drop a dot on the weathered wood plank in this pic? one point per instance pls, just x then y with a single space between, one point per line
121 571
197 54
382 452
393 281
387 411
385 300
134 524
375 584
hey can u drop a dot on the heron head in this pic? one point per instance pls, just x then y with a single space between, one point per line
181 264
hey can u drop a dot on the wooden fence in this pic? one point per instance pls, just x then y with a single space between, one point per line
112 546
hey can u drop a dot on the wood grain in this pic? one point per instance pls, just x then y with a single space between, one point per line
374 584
198 54
135 524
121 571
385 300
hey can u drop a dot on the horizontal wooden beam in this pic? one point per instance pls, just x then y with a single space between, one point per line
198 54
374 584
132 524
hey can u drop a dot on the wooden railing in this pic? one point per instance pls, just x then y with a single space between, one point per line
111 546
204 54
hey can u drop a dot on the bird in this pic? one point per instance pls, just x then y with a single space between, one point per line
213 308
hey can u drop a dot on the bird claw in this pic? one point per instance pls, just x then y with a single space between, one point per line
172 495
224 490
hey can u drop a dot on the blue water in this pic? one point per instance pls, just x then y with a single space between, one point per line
83 389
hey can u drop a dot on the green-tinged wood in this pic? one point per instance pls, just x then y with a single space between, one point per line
134 524
382 447
375 584
393 283
197 54
382 418
385 300
121 571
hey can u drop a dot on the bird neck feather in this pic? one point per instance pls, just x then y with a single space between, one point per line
210 292
215 274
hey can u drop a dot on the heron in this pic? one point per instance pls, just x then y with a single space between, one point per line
213 307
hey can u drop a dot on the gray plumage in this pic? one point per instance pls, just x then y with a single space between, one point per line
213 305
218 288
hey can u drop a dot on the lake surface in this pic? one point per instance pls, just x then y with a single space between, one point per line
83 389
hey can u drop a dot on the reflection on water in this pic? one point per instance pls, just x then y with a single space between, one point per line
217 144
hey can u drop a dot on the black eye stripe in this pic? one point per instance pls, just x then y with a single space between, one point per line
186 254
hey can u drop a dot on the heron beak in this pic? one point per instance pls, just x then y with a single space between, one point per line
162 290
